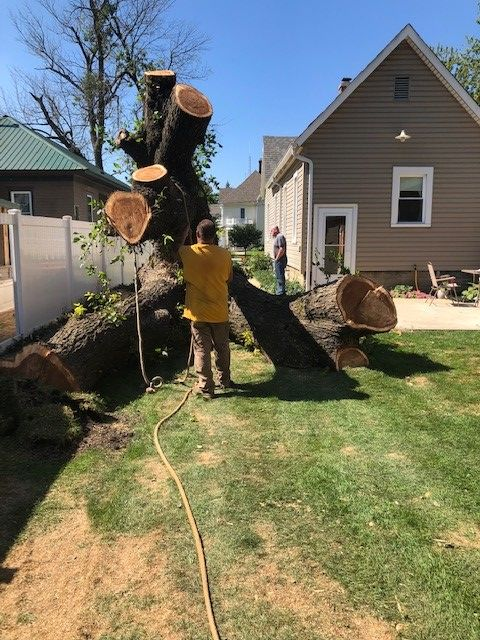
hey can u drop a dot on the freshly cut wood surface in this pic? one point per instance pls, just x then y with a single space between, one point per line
350 357
152 173
192 101
365 304
159 73
129 214
37 362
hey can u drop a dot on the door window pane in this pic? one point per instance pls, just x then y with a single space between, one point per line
334 243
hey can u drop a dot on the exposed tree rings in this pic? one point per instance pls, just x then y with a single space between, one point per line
191 101
129 214
350 357
159 73
365 304
152 173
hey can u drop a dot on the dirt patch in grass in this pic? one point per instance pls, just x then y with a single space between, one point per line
418 381
318 603
350 451
154 476
209 458
70 584
465 537
110 435
396 455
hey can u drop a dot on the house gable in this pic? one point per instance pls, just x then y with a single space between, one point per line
354 152
411 37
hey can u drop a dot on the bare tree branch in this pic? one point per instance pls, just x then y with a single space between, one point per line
91 58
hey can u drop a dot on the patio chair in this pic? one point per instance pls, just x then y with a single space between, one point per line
441 282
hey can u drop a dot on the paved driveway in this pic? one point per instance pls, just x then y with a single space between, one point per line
442 314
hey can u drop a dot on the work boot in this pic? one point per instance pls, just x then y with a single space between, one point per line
201 393
228 386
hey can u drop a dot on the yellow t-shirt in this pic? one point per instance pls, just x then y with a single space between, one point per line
206 269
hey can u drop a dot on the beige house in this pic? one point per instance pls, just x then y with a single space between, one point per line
387 177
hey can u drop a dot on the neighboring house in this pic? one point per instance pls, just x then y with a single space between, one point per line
44 179
242 205
349 185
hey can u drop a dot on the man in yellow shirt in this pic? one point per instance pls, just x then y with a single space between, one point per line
207 270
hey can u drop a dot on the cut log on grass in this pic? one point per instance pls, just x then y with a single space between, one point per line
320 328
87 349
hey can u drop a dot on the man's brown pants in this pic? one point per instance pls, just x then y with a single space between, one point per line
207 336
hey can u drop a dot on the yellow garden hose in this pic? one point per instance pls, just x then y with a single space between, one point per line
202 564
152 385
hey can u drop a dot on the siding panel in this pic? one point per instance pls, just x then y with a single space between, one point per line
354 153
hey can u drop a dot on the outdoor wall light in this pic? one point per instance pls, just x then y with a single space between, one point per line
402 136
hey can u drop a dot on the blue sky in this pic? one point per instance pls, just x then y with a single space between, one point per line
274 65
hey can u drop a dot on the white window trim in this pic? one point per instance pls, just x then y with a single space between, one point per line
90 211
29 193
427 174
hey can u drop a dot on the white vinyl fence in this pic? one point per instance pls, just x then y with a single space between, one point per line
46 271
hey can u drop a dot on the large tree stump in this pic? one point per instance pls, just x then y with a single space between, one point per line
319 328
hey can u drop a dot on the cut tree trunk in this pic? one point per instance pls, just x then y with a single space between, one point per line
86 349
317 329
320 328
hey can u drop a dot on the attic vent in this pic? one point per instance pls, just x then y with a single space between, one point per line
402 86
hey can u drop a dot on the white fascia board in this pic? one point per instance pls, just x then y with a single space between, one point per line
408 33
282 165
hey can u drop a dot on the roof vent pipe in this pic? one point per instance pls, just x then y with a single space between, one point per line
260 166
344 82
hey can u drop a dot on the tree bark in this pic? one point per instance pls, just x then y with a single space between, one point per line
317 329
320 328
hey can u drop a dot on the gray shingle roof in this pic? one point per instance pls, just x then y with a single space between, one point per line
248 191
274 148
22 149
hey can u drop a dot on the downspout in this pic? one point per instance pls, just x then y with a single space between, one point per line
308 273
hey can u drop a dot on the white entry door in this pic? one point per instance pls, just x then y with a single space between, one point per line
334 241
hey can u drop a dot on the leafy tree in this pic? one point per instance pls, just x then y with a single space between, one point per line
464 64
245 236
92 55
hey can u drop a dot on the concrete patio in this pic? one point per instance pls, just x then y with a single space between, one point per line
442 314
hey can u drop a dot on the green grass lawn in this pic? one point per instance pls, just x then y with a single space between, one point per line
332 505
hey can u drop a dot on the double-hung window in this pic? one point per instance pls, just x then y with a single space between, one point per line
412 189
23 200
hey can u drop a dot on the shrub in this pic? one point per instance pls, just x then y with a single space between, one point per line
401 290
471 293
245 236
259 261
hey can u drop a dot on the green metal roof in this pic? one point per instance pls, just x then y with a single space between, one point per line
22 149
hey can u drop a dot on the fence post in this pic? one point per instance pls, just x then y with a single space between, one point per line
16 260
67 225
